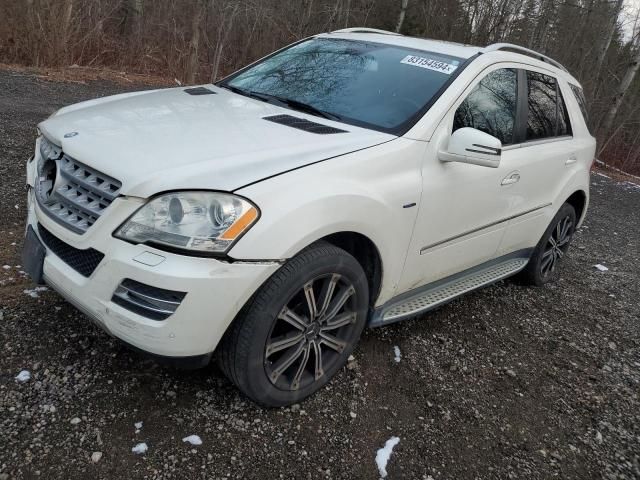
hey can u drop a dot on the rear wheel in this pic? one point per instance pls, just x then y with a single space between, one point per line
553 246
299 328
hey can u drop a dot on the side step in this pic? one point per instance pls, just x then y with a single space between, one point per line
433 295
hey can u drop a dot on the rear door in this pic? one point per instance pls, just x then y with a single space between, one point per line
542 160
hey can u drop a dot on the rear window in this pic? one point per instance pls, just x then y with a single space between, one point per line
547 114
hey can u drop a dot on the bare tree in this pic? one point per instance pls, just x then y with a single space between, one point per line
627 80
403 13
608 36
194 44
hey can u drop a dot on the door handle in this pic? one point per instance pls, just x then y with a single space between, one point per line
511 179
571 160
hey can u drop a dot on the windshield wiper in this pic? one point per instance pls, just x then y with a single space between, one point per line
289 102
306 108
247 93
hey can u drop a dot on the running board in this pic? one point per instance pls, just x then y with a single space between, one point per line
438 293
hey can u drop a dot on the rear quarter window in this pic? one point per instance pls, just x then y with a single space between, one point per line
582 103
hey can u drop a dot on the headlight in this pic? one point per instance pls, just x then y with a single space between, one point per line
208 222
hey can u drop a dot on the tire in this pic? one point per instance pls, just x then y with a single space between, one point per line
277 325
543 265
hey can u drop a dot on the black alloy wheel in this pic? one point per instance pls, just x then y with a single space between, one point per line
311 332
299 328
552 248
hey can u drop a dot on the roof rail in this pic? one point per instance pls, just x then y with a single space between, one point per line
518 49
365 30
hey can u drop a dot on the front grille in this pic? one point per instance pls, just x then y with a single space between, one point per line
70 192
151 302
82 261
303 124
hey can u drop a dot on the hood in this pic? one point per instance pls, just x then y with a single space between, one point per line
170 139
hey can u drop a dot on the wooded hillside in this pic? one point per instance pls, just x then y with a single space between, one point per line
202 40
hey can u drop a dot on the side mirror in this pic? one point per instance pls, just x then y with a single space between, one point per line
468 145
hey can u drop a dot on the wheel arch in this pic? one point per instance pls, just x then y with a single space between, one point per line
578 200
365 251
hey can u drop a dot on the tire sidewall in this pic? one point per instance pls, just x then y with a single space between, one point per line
262 319
536 260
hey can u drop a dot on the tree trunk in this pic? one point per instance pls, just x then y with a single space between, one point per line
347 14
403 13
132 16
193 62
629 75
608 36
63 37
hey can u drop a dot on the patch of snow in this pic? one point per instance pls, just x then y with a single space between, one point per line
383 455
396 352
138 425
75 421
96 456
34 293
140 448
6 267
23 376
601 268
193 440
602 175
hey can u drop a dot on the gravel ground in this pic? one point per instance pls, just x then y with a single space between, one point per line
508 382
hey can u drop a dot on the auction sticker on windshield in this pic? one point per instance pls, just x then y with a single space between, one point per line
429 64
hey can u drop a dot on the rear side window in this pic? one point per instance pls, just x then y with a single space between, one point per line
564 126
582 103
541 98
491 106
546 112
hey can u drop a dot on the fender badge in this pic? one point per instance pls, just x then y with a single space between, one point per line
70 134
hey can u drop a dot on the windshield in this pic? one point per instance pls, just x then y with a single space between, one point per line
368 84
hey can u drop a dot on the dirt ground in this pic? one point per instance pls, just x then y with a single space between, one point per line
508 382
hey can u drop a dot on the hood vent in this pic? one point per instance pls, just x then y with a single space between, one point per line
199 91
303 124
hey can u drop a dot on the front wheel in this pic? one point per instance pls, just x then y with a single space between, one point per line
299 328
543 265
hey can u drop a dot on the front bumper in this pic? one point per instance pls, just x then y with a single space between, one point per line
216 290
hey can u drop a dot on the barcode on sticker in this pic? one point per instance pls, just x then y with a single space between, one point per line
429 64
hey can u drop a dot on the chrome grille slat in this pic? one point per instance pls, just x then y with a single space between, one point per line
79 194
131 297
146 300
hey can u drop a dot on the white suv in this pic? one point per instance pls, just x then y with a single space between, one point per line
353 178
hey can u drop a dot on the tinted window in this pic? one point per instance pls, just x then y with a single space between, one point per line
564 125
491 106
582 103
541 120
369 84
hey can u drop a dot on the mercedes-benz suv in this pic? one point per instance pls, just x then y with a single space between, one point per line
354 178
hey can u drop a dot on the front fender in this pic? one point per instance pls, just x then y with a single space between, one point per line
371 192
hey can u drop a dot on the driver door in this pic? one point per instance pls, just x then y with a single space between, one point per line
464 209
